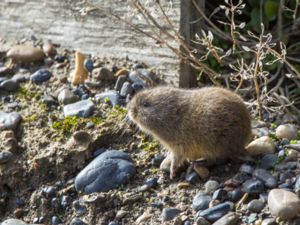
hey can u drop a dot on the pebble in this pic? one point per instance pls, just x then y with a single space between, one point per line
220 195
268 161
105 172
283 204
201 221
103 73
3 79
49 191
77 221
119 83
157 160
13 222
245 168
138 78
113 223
80 74
5 156
40 76
121 72
80 209
20 78
201 201
288 131
211 186
59 58
55 220
216 212
236 194
253 186
126 89
261 146
137 87
169 213
83 108
286 166
10 120
256 205
10 85
229 219
192 178
25 53
151 182
112 96
266 177
89 64
66 97
65 201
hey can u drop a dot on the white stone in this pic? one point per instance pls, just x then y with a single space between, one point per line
261 146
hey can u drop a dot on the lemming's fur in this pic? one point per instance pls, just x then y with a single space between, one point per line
211 123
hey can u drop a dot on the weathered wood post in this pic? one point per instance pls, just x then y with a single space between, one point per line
190 24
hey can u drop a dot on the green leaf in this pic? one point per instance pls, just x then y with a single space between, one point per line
271 9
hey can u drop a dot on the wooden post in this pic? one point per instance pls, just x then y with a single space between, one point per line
190 24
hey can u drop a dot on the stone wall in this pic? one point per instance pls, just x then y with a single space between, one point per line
62 22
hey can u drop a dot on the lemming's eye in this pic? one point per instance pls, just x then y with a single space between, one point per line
146 104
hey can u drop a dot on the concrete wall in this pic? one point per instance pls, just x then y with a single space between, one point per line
61 21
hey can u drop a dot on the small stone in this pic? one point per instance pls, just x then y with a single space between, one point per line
55 220
268 161
137 87
229 219
40 76
286 166
201 221
120 81
5 156
169 213
137 66
82 137
20 78
49 191
192 178
288 131
261 146
220 195
19 213
126 89
59 58
201 201
245 168
66 97
80 74
216 212
151 182
106 172
83 108
211 186
65 201
89 65
283 204
103 73
113 223
25 53
292 155
122 72
236 194
266 177
10 120
252 186
80 209
256 206
136 77
143 218
202 171
111 96
77 221
10 85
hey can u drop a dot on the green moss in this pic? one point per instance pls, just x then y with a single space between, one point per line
29 92
274 125
31 118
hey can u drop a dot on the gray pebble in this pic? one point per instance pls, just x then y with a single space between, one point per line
229 219
126 89
89 65
169 213
40 76
10 85
216 212
201 221
10 120
268 161
13 222
256 206
66 97
106 172
77 221
266 177
83 108
269 221
112 96
201 201
253 186
120 81
220 195
211 186
245 168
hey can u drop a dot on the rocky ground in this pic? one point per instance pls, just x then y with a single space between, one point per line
69 155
